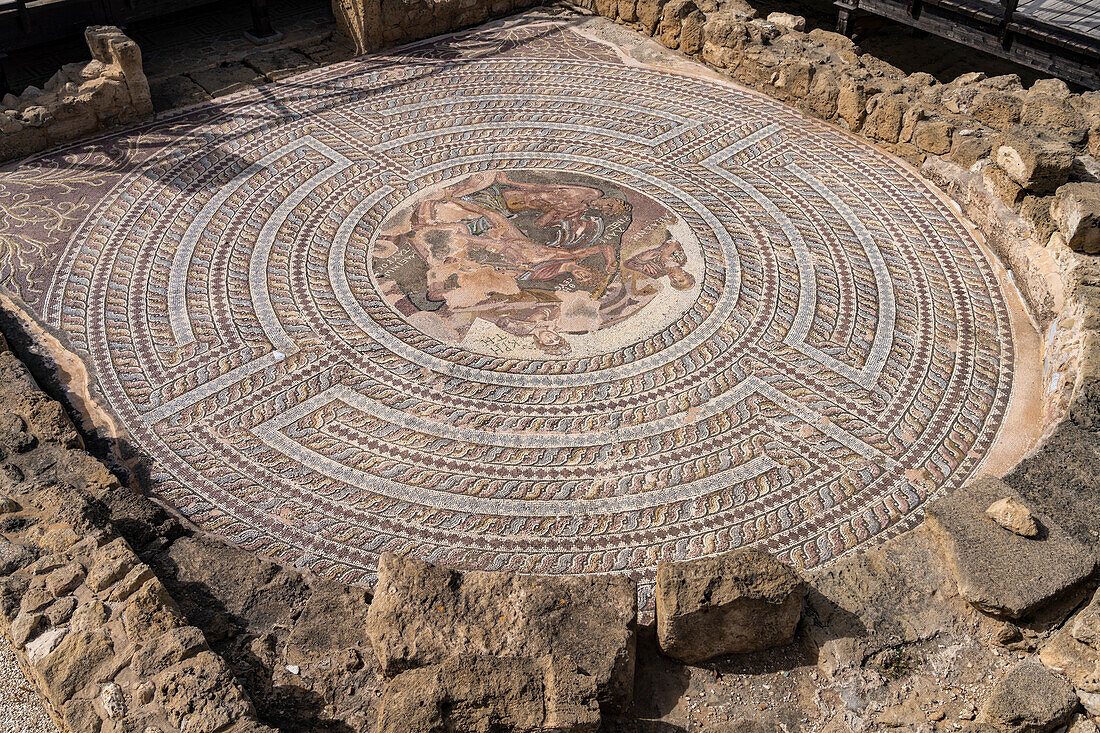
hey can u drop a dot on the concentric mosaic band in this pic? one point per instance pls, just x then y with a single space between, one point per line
510 300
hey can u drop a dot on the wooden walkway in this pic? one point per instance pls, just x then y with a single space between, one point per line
1080 16
1058 37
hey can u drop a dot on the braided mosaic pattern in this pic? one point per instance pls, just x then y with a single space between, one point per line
509 301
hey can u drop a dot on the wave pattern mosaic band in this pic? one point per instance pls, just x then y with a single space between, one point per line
513 301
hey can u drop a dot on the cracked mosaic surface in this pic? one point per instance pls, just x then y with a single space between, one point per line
510 300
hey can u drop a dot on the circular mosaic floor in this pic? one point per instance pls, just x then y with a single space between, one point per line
515 302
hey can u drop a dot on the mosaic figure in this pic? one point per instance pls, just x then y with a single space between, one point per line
534 253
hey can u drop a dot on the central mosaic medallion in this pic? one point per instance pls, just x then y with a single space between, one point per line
536 264
511 300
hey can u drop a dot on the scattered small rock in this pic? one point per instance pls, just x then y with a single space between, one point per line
1013 516
1030 699
738 602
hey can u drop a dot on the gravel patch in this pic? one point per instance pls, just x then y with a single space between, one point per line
21 709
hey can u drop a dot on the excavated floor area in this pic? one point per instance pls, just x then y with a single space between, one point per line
520 299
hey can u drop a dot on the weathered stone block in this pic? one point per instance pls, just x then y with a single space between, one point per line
64 580
1043 110
1075 210
999 110
821 101
649 14
149 613
1030 699
934 136
73 663
109 564
1086 625
200 695
738 602
474 693
422 614
884 117
168 650
1034 159
997 570
724 37
968 149
1001 185
787 20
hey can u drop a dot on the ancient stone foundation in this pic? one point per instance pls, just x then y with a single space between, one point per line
80 99
127 619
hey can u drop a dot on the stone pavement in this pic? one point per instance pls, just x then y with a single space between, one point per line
516 300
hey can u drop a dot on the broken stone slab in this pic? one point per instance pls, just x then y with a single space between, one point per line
787 20
1033 158
1029 700
1076 212
999 571
1077 662
422 614
1086 625
483 693
1013 516
737 602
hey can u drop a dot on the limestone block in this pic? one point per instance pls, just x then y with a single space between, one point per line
628 10
26 626
422 614
787 20
112 47
884 117
109 564
13 556
1052 87
999 571
724 37
852 100
1001 185
968 147
823 96
673 15
64 580
795 77
691 33
168 650
759 67
36 116
834 41
1034 159
1086 625
73 663
999 110
200 695
1043 110
1030 698
738 602
1076 212
474 693
934 136
649 14
10 124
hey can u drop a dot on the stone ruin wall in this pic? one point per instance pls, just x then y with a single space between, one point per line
80 99
128 620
